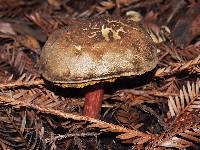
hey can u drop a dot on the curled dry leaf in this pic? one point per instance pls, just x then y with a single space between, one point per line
55 3
6 28
29 42
188 27
107 4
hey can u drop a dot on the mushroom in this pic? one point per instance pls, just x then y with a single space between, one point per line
94 51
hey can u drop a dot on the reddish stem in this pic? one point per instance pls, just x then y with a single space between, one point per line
93 101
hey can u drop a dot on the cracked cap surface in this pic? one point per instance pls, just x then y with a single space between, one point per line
97 50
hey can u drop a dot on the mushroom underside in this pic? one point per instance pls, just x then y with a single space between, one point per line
92 81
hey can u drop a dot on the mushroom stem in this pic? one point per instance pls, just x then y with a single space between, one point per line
93 101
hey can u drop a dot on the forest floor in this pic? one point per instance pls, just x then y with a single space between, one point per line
159 110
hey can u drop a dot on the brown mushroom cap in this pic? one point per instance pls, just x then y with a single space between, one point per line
96 50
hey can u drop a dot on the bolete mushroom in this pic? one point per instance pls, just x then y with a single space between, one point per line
96 50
